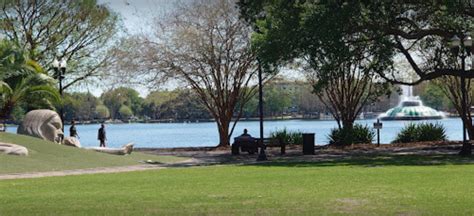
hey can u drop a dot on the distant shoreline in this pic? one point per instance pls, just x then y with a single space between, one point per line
167 121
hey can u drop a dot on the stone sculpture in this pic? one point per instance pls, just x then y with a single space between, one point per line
47 125
44 124
12 149
126 149
72 141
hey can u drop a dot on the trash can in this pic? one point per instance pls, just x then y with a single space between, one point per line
235 149
308 143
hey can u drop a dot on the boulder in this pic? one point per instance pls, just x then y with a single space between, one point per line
72 141
12 149
44 124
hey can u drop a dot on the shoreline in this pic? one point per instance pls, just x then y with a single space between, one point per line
317 147
212 121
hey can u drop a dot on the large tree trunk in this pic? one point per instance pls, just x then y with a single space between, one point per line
470 130
347 126
466 149
6 110
5 113
451 88
224 137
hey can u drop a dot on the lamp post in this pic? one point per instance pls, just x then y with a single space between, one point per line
262 156
59 67
462 46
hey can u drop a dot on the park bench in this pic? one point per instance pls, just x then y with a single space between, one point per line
271 142
244 143
250 145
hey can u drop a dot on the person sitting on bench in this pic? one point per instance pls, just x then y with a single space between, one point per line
245 134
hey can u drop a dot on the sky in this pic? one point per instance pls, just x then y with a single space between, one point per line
137 16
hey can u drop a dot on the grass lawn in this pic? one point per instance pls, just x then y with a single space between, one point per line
401 185
47 156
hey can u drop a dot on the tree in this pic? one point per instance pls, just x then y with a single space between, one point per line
78 31
24 81
79 106
308 102
102 112
344 75
434 94
154 103
186 106
115 98
251 107
276 100
206 46
125 112
416 32
179 104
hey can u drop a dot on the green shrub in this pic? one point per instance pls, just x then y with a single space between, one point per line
407 134
345 136
296 138
288 137
431 132
421 132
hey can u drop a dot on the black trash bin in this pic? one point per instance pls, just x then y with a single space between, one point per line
235 149
308 143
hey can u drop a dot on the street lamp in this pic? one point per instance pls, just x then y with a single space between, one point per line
462 46
262 156
59 67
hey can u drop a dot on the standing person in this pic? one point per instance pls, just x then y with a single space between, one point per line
101 135
73 130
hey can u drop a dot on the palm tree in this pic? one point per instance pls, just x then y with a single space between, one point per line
21 80
25 87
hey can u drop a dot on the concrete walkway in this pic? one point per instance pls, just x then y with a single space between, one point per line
80 171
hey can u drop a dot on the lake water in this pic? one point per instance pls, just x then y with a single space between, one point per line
168 135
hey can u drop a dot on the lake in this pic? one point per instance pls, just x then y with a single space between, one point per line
169 135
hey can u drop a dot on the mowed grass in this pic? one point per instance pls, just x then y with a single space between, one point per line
404 185
47 156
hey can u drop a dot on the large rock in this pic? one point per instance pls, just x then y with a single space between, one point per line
44 124
126 149
12 149
72 141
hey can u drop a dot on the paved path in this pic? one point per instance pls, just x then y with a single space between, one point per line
80 171
97 170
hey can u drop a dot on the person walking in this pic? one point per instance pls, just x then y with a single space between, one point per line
101 135
73 130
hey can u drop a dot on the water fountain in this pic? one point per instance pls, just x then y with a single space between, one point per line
410 108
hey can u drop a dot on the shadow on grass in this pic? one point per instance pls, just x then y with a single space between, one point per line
374 161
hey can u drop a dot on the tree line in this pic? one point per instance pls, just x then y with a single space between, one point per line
281 98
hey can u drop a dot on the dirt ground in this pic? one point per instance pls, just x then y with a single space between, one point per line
207 156
210 156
